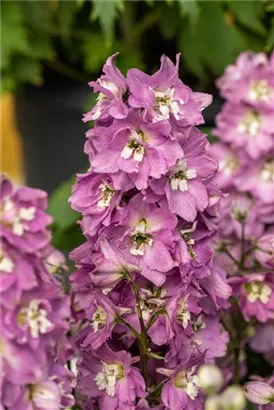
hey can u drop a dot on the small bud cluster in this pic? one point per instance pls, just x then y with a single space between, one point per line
34 311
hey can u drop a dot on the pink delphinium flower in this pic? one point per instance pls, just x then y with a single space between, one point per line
149 218
34 310
110 377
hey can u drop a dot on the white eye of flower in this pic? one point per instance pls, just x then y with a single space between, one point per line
165 103
6 264
99 319
181 175
188 382
250 123
258 291
260 91
139 242
134 148
27 214
267 171
229 165
107 193
35 318
17 227
107 378
183 315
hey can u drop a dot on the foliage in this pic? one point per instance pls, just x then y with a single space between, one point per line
76 37
66 233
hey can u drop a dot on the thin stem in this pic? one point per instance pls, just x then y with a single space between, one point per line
143 335
229 254
67 71
154 317
131 328
242 261
236 377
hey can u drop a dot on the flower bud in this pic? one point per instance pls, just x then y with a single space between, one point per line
213 403
233 398
259 392
210 378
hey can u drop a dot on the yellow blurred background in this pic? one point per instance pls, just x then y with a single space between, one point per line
11 154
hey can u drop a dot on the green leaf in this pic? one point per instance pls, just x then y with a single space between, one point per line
7 82
170 21
105 12
249 14
13 32
66 13
59 208
37 16
214 44
190 9
95 52
270 38
67 240
27 71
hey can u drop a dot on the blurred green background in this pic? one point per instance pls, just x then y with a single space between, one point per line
76 37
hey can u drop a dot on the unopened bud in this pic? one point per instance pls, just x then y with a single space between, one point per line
210 378
259 392
233 398
213 403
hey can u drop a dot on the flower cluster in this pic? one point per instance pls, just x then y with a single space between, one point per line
246 237
34 312
146 292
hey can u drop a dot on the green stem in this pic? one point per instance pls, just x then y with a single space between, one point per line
236 377
128 325
154 317
242 261
143 342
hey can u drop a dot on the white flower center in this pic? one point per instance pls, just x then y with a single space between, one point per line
140 239
267 171
183 315
258 291
107 193
99 319
6 264
107 378
250 123
133 147
181 175
188 382
260 91
228 165
35 318
27 214
165 103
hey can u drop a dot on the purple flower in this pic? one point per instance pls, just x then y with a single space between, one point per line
163 96
110 377
148 238
183 389
102 315
265 249
256 293
112 89
259 392
250 80
257 178
229 164
139 149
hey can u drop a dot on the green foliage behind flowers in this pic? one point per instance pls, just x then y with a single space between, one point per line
76 37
